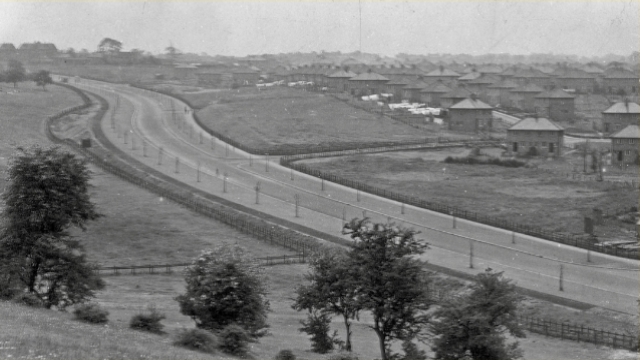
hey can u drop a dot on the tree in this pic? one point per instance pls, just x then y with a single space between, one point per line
15 72
332 289
225 287
172 52
109 45
474 325
391 283
42 78
47 195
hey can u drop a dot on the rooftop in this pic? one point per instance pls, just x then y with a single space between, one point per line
369 76
471 104
623 108
539 124
555 94
630 132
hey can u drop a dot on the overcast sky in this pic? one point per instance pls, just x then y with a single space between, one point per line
386 27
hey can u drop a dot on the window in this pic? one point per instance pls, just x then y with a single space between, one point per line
632 141
628 152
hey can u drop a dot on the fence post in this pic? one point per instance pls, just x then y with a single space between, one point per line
358 195
344 215
177 165
402 209
266 163
257 188
224 183
513 237
297 201
561 276
470 254
291 173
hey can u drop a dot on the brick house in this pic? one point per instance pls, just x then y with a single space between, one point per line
470 115
619 116
412 91
624 146
524 97
616 80
454 96
556 104
579 80
395 87
339 80
480 86
448 77
432 94
532 76
500 93
542 134
367 83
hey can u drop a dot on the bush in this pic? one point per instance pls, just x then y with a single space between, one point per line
285 355
197 339
28 299
234 340
91 313
149 322
318 327
344 356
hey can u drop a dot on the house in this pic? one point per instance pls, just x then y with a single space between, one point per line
535 135
245 76
500 93
532 76
448 77
556 104
524 97
339 80
620 81
470 115
412 90
624 146
469 76
184 71
432 94
454 96
576 79
480 85
619 116
367 83
395 87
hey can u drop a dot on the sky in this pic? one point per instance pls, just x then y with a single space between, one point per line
577 27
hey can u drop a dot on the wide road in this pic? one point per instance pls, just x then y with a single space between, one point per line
157 131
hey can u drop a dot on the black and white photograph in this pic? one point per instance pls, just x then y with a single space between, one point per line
330 180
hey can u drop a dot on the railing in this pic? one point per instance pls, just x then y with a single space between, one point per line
578 241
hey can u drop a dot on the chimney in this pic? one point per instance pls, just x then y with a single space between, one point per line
441 69
474 97
626 103
369 71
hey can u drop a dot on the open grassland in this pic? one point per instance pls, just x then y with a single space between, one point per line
282 116
529 196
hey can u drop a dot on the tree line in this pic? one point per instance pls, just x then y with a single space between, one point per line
16 73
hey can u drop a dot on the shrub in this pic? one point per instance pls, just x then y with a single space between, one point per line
149 322
28 299
285 355
411 351
234 340
91 313
344 356
197 339
318 327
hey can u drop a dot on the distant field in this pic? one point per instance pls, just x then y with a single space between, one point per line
527 196
112 73
282 116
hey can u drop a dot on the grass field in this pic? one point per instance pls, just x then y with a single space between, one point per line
112 73
282 116
529 196
140 227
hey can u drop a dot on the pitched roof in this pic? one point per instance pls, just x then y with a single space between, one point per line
457 93
539 124
470 76
402 81
416 85
484 79
528 88
436 88
630 132
619 74
471 104
555 94
343 74
623 108
575 74
490 69
369 76
530 73
441 71
506 84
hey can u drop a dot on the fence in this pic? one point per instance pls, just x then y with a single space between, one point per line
300 258
575 240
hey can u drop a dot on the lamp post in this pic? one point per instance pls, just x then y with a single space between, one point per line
257 188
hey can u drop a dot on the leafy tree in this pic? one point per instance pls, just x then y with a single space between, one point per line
42 78
474 326
71 52
225 286
15 72
109 45
318 325
391 282
332 289
47 194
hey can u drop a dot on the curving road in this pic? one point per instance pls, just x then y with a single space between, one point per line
155 130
